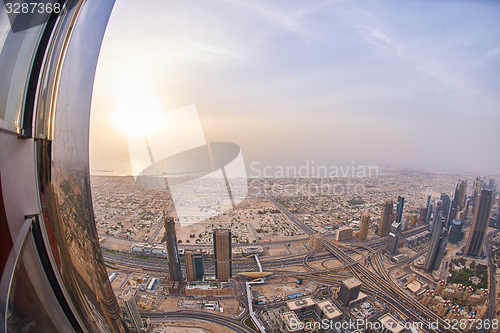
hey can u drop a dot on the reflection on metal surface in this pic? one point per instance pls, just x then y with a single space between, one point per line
54 278
16 57
69 219
32 307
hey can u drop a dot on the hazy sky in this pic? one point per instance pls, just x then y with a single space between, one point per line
403 83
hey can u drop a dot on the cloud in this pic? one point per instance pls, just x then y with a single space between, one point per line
290 19
494 52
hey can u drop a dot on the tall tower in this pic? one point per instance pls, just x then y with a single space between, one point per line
423 215
476 190
174 264
194 266
129 298
456 233
446 206
437 246
363 227
414 219
349 291
316 242
222 254
399 209
498 213
462 195
386 218
432 217
393 239
480 223
443 242
428 209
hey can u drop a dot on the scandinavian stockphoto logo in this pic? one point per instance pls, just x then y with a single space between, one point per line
204 179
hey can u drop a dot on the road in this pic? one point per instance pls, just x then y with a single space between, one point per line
243 265
199 315
378 284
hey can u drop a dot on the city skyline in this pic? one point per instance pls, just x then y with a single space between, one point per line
285 81
191 241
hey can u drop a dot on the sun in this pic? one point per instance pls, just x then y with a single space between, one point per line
138 114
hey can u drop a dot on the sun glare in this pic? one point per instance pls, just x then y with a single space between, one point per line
138 114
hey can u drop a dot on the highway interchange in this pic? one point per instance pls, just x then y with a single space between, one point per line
377 281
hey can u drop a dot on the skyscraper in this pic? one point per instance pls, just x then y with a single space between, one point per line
451 216
446 206
363 227
428 208
498 213
399 209
317 242
393 238
386 218
194 266
443 242
414 219
423 215
456 233
462 192
437 246
349 290
434 209
480 223
478 185
222 254
174 264
129 298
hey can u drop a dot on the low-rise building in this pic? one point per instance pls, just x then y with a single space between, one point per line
415 239
475 299
249 250
209 289
449 293
326 310
389 324
291 323
236 252
360 299
159 250
343 233
301 306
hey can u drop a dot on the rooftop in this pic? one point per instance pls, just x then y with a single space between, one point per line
329 309
352 283
203 285
300 303
391 323
128 294
291 321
